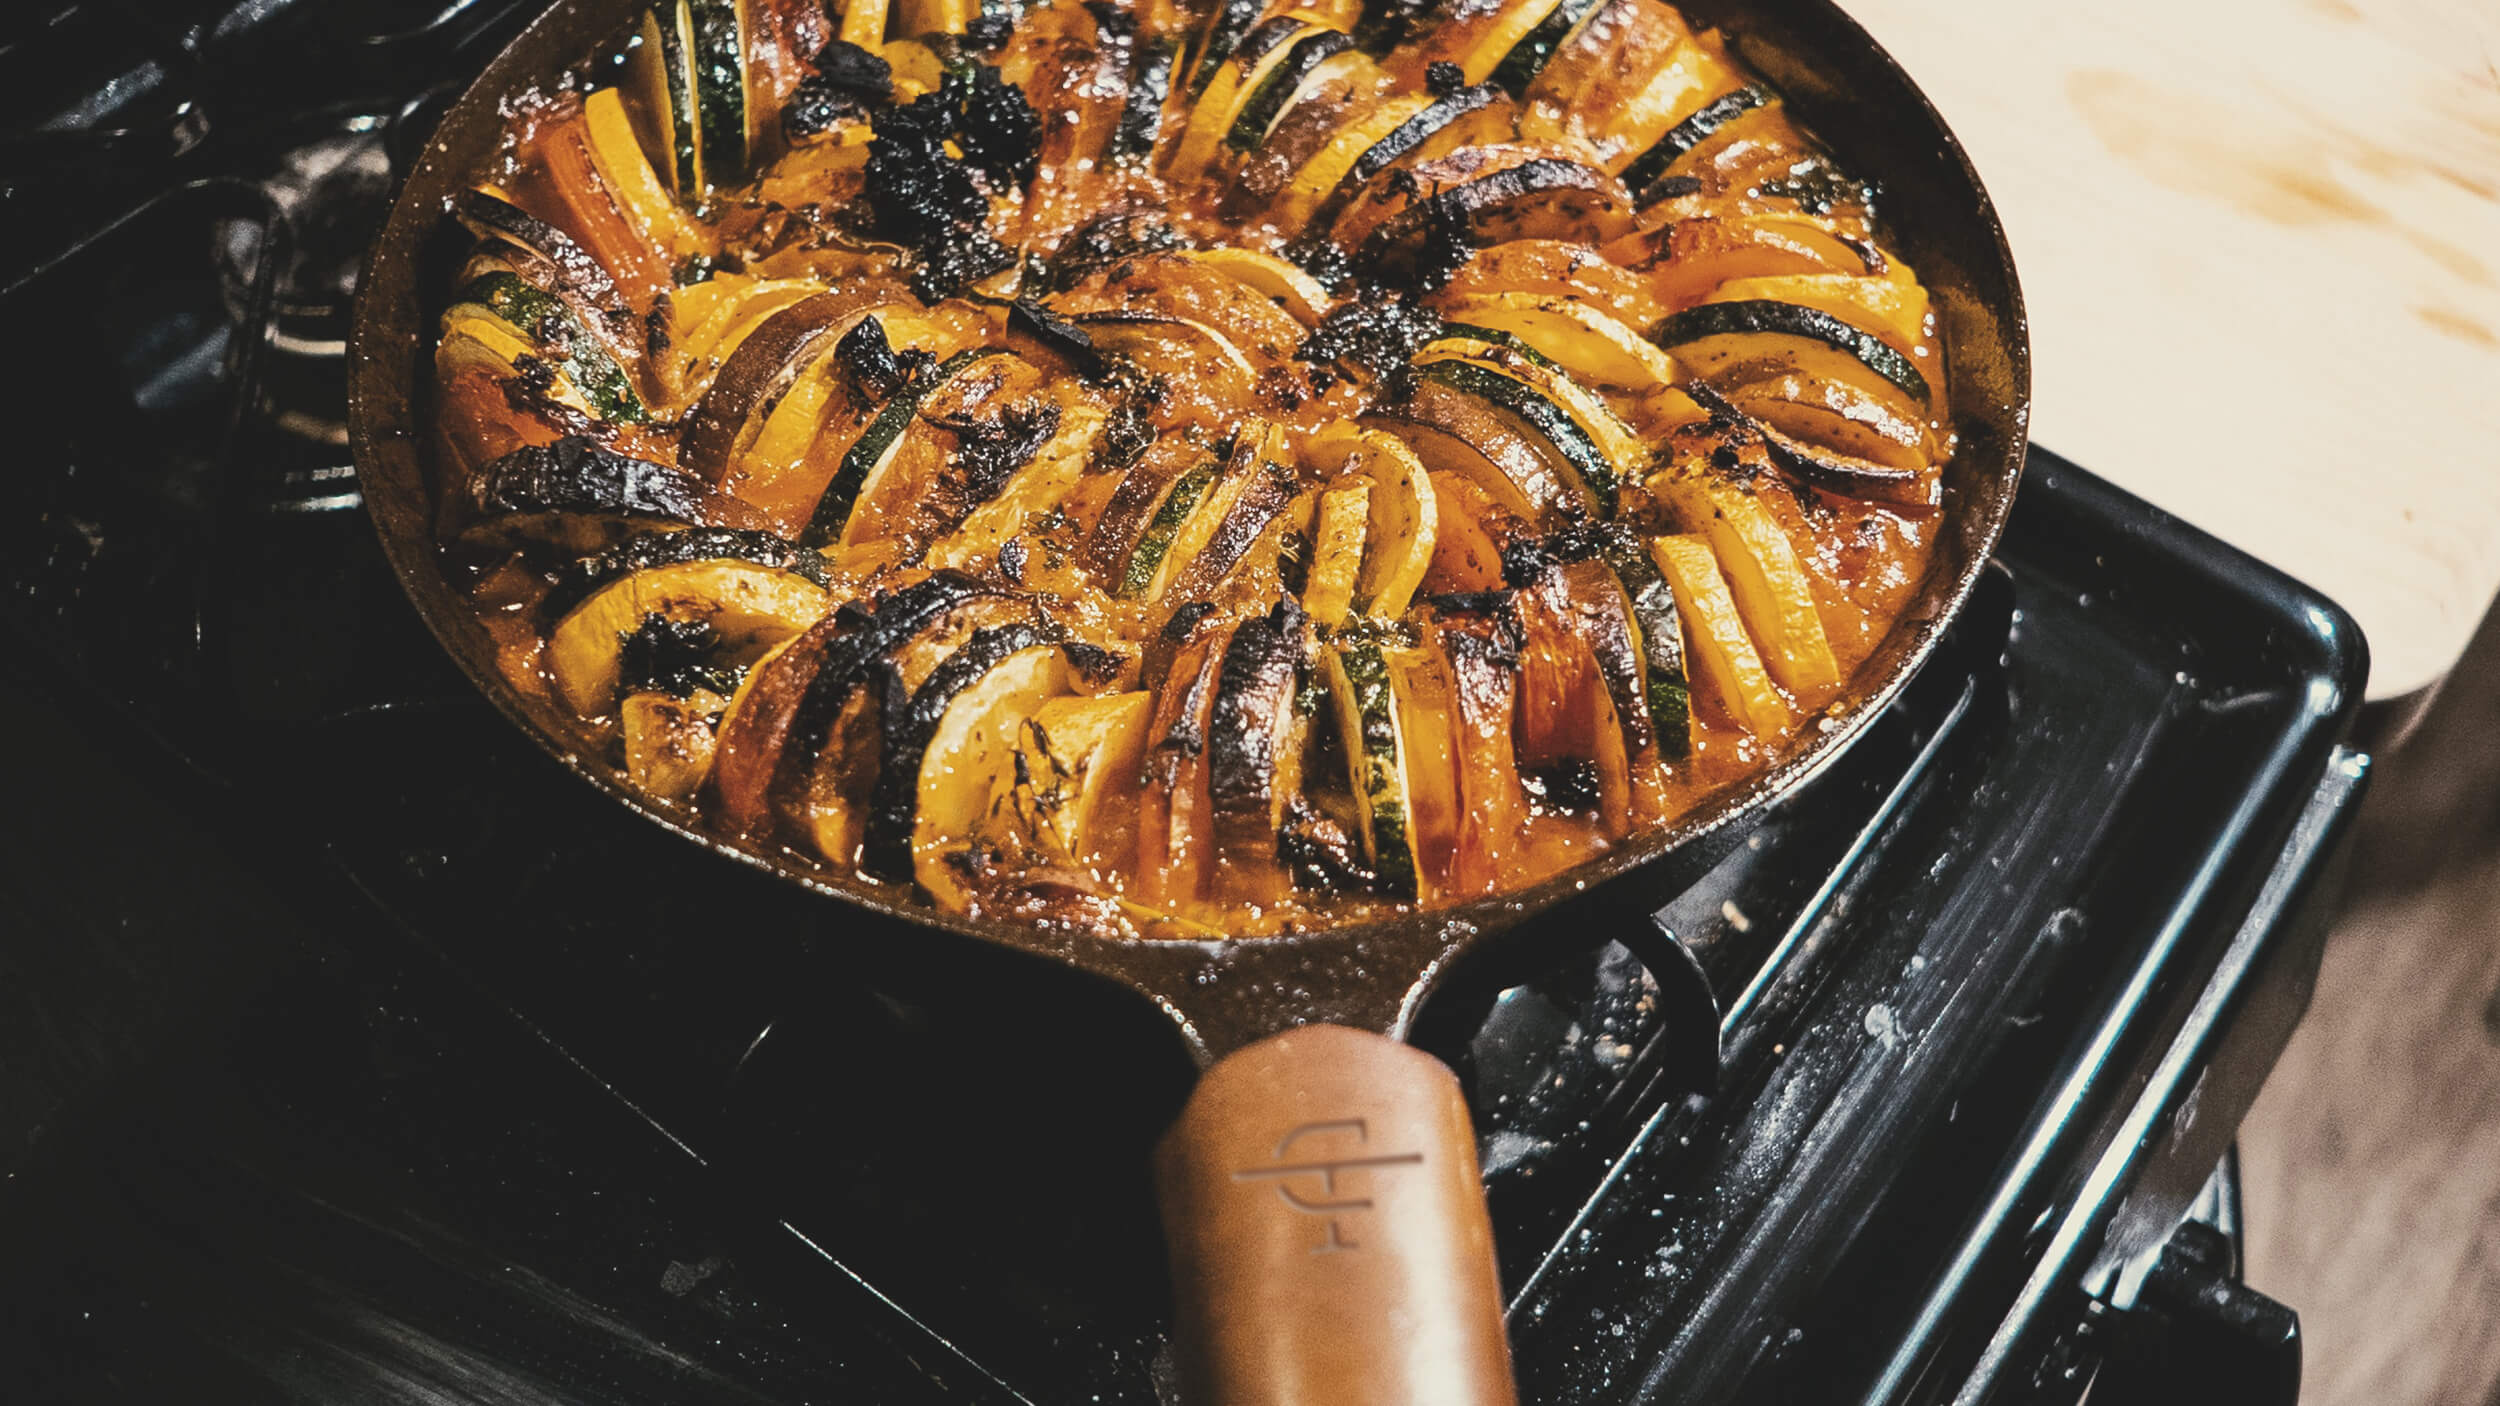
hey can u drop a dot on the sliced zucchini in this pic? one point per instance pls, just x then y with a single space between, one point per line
1365 698
944 746
1567 701
1214 110
1691 132
1253 489
668 742
1283 82
1527 58
1145 561
1226 26
1585 341
746 606
719 57
1319 177
1660 631
1540 409
1721 651
1893 306
1502 33
1711 336
556 336
1456 434
872 455
1159 340
660 70
1337 551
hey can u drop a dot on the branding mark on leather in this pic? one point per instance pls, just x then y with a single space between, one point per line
1296 1170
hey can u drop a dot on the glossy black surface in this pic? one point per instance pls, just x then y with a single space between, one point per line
351 1050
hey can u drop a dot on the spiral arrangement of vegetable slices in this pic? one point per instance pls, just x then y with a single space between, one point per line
1179 467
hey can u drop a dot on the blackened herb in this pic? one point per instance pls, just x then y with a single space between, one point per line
1370 338
1443 78
1106 240
1000 134
987 31
1449 242
1036 320
989 451
1011 558
869 359
670 656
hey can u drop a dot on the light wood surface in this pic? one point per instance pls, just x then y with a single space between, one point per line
2260 243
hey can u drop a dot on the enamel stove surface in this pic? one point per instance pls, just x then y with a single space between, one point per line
349 1050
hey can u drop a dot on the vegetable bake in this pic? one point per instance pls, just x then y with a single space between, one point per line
1180 469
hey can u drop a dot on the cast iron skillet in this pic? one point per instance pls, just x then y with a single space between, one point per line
1328 1234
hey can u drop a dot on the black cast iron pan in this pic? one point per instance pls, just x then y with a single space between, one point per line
1329 1237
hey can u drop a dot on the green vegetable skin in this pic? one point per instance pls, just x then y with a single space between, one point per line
1792 320
1528 57
1367 713
1268 101
876 444
1661 629
1551 421
538 317
720 88
1690 133
1156 540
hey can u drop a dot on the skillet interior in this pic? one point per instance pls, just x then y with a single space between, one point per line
1843 87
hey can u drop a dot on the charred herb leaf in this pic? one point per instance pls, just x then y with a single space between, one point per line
669 656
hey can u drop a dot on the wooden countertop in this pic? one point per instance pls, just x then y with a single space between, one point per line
2260 244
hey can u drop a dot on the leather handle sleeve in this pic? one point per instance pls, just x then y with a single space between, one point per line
1328 1231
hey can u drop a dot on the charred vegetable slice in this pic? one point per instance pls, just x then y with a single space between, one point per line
1592 468
1687 134
1141 120
720 87
1036 490
743 606
1173 826
1716 334
1289 287
986 694
579 494
873 453
927 729
660 69
1360 685
761 371
646 550
1535 48
1246 497
668 742
1254 752
1721 651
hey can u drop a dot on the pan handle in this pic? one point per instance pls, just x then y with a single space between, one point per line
1328 1230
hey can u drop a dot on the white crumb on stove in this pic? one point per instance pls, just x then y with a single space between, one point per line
1735 916
1881 1025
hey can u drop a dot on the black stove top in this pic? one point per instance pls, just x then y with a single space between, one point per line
349 1050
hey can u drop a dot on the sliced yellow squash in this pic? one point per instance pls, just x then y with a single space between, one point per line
1291 289
1715 638
1337 551
668 741
748 607
1036 488
1585 341
1073 751
973 747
